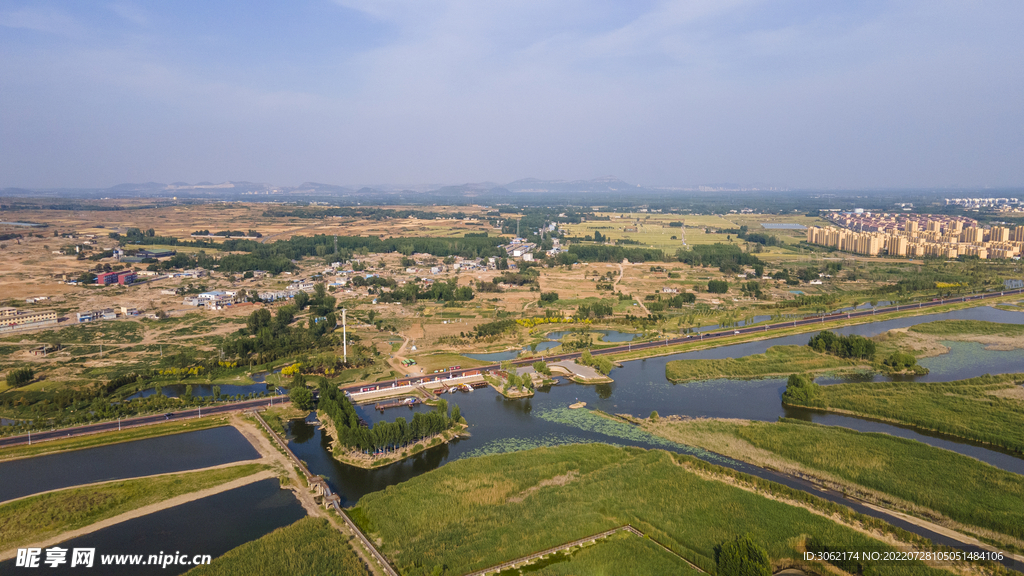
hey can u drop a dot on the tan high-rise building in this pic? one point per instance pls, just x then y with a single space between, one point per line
972 234
999 234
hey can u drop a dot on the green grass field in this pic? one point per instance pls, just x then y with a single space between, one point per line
431 362
90 440
975 327
309 547
776 360
605 557
911 471
39 517
478 512
113 332
983 409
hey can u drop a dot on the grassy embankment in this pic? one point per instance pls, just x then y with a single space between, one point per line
277 416
311 547
924 479
781 360
956 329
478 512
777 360
43 516
127 435
987 409
697 344
430 362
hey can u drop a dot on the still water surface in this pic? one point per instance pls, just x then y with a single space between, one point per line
160 455
639 387
211 525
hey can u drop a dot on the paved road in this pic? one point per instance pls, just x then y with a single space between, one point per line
139 421
812 320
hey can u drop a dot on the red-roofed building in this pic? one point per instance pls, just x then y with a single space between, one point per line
105 278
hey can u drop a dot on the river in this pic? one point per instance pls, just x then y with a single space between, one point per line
640 387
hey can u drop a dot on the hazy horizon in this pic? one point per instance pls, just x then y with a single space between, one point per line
798 95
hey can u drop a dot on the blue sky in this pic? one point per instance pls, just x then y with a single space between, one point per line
787 93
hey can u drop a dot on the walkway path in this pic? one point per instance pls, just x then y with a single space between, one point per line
522 561
332 500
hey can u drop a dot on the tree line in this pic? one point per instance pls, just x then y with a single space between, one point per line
727 257
851 346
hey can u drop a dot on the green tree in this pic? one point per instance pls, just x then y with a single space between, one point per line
20 377
301 299
718 286
542 368
301 397
800 389
258 319
743 557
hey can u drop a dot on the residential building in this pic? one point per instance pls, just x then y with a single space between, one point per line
10 317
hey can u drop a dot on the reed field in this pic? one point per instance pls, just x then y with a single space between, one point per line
42 516
923 475
478 512
987 409
776 360
608 558
309 547
974 327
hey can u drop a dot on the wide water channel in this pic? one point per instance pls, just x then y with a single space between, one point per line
211 525
639 387
160 455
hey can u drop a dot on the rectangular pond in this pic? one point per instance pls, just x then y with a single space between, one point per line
160 455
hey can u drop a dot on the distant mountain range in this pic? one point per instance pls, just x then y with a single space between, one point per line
525 191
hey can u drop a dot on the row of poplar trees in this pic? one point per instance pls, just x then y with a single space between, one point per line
383 436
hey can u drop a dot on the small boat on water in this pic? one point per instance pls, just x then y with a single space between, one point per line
577 405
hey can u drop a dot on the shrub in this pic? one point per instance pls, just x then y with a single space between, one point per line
800 389
900 361
549 296
743 557
542 368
